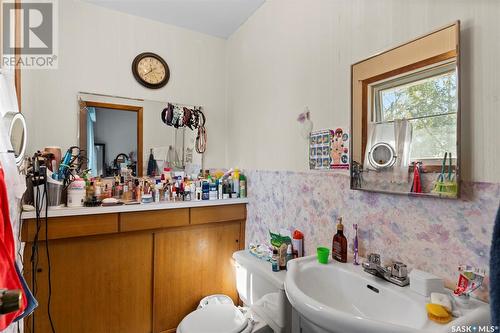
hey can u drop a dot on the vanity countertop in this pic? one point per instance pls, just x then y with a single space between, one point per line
73 211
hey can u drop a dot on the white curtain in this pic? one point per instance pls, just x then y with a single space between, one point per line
403 136
91 153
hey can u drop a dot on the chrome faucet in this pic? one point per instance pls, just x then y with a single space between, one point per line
397 273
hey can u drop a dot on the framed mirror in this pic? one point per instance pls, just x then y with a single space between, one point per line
118 126
405 117
120 132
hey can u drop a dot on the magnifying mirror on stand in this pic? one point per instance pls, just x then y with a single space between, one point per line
382 156
18 134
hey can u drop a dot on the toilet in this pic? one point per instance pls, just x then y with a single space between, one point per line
262 292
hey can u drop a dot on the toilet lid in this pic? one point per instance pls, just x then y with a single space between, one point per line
215 318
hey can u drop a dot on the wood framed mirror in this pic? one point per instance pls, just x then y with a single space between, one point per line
118 127
405 117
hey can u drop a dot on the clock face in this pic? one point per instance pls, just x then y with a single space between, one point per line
150 70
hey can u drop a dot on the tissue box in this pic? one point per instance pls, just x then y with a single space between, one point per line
425 283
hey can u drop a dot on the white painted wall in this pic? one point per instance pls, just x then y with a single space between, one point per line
289 54
96 49
293 53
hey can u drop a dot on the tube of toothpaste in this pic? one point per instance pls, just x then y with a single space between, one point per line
470 279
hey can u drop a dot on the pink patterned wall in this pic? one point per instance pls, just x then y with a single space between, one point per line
434 235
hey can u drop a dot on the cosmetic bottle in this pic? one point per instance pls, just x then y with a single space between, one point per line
117 191
282 256
198 191
179 190
274 261
97 189
243 186
90 191
236 183
157 191
225 189
174 193
339 243
109 191
205 191
192 189
138 192
289 254
219 189
298 244
213 191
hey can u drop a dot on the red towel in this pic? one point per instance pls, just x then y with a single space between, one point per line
417 183
8 275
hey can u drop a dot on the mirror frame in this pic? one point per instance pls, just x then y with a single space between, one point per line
396 72
82 140
12 118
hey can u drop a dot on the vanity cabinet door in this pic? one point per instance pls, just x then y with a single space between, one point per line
189 264
100 284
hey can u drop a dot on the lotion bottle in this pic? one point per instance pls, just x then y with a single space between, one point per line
339 243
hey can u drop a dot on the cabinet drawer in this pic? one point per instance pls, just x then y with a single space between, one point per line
72 226
218 214
154 219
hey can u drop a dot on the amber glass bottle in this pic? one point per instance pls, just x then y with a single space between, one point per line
339 243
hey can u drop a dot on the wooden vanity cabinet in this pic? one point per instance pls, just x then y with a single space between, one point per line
191 263
127 278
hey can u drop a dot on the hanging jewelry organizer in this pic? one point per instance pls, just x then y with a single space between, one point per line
193 118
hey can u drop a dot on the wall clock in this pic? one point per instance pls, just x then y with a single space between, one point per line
150 70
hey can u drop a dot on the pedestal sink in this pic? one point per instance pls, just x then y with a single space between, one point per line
342 298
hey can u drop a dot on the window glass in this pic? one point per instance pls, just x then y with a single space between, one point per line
429 100
433 136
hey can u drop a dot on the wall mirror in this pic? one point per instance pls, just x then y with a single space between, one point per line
405 117
18 134
118 132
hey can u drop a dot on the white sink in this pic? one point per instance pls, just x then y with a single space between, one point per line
343 298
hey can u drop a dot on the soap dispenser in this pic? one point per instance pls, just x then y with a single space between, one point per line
339 243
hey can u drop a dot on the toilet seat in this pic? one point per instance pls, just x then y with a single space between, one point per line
214 318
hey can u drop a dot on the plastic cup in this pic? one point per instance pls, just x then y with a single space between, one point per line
323 254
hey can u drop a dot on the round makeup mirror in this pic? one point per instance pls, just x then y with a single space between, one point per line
18 134
382 156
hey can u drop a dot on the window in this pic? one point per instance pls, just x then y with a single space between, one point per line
429 100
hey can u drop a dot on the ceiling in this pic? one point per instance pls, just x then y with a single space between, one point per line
218 18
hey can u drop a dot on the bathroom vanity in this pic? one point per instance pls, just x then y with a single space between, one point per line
135 268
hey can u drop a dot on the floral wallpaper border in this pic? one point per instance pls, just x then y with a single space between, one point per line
434 235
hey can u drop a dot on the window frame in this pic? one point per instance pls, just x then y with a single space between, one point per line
375 105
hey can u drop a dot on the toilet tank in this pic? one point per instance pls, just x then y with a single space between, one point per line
255 278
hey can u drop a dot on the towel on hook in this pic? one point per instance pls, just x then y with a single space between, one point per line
152 166
160 153
9 278
495 273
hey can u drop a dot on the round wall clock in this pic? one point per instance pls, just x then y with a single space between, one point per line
150 70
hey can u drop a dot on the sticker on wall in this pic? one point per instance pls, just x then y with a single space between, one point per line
319 150
339 149
329 149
